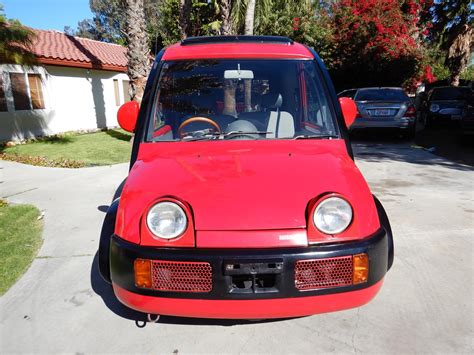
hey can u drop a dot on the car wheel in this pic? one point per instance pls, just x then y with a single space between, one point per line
104 244
384 222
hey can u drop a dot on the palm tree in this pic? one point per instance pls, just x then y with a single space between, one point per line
459 53
184 14
225 8
249 17
452 30
138 51
15 42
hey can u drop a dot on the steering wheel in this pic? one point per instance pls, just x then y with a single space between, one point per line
197 119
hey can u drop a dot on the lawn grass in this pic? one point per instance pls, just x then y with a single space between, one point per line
20 240
74 150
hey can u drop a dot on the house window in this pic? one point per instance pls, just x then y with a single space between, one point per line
27 95
36 91
126 92
20 95
3 100
117 94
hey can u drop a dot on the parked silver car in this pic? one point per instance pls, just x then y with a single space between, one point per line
383 107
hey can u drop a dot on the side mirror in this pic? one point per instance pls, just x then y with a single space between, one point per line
127 115
349 110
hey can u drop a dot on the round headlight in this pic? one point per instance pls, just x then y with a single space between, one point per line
333 215
166 220
434 107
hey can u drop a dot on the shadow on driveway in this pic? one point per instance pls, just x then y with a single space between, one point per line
380 146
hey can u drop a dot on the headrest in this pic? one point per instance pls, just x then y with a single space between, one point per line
272 100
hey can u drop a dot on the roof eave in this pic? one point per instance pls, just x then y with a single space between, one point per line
79 64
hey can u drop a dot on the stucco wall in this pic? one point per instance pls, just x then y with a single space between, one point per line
75 99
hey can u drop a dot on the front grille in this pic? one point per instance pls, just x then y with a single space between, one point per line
322 273
181 276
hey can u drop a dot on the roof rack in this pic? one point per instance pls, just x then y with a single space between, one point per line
236 39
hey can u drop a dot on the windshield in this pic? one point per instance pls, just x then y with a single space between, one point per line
240 99
450 94
381 95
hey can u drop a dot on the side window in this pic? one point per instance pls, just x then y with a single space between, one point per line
27 90
36 91
317 107
21 100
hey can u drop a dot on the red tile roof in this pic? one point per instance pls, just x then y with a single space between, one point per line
57 48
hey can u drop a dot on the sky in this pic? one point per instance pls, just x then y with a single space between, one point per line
47 14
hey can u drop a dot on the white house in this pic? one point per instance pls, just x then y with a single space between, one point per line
78 84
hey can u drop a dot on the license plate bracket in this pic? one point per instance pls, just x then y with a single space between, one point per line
381 112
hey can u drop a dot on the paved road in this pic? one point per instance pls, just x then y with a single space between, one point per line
425 305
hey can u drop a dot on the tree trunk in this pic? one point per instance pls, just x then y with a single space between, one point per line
247 95
249 17
226 8
229 99
459 53
138 52
184 12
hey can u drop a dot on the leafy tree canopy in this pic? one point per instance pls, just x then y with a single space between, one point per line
449 30
15 41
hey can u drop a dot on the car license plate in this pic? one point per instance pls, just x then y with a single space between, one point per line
382 112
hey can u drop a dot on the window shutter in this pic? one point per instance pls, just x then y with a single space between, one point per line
126 92
20 96
117 95
36 91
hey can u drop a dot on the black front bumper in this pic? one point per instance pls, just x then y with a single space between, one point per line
123 255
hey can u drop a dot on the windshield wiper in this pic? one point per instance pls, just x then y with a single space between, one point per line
199 135
316 136
237 133
204 134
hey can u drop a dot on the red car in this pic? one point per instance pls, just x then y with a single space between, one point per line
243 199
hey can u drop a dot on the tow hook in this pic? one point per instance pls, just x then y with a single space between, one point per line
153 318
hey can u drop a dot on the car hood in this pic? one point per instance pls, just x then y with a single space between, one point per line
242 185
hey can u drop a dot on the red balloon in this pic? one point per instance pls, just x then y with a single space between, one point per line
127 115
349 110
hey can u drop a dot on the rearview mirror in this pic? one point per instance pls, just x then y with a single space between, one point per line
349 110
127 115
238 74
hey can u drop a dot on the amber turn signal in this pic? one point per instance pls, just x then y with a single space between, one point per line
142 269
360 266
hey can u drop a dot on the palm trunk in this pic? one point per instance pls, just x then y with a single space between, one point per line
184 12
248 95
459 54
249 21
226 8
249 17
229 99
138 51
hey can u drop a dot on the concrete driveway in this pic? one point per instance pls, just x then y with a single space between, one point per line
425 305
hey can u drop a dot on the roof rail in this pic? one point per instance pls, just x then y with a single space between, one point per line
236 39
